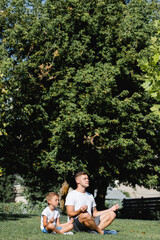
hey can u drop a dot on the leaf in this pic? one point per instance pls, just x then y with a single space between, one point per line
153 40
154 95
156 109
156 58
146 85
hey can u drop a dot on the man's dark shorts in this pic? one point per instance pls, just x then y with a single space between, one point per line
80 227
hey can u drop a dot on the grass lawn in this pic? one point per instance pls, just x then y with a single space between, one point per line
23 227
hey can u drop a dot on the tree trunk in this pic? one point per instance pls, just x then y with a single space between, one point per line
101 193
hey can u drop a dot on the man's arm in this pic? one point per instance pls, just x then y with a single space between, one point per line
97 213
72 213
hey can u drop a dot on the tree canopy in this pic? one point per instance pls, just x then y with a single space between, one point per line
151 68
71 95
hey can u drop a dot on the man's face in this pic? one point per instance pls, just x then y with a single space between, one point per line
83 180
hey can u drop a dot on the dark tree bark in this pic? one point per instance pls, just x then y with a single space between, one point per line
101 193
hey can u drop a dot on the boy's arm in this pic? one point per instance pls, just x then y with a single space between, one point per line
63 224
58 224
46 222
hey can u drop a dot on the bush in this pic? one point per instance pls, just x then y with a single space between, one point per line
22 208
6 188
110 202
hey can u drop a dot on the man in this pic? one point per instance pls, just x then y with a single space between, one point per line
81 206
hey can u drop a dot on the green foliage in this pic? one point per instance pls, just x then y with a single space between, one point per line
22 208
6 187
72 98
38 185
127 194
110 202
151 68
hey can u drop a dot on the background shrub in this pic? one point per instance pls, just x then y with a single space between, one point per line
6 188
22 208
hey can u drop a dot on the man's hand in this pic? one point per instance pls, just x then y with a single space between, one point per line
114 207
83 209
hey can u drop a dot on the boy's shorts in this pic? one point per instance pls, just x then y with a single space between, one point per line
45 231
79 227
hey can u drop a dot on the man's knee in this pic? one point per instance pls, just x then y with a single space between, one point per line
84 216
112 215
109 216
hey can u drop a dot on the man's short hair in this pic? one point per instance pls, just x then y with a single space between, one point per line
50 195
80 174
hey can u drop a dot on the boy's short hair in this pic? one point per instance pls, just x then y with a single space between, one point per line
50 195
80 174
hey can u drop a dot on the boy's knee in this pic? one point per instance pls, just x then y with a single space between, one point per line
50 227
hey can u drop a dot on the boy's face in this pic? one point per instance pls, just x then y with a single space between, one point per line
54 201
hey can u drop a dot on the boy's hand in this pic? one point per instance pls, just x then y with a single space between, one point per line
71 220
51 220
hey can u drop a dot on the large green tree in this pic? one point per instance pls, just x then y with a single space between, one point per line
74 100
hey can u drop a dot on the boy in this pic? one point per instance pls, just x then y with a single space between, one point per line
50 217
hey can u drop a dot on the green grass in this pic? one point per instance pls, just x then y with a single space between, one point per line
25 227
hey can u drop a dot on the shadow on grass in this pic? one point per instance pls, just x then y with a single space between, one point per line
13 217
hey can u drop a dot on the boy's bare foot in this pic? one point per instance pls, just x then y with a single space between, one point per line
71 220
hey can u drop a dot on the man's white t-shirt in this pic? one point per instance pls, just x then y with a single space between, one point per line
78 199
49 214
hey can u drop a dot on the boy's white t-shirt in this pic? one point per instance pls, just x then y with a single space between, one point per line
49 214
78 199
